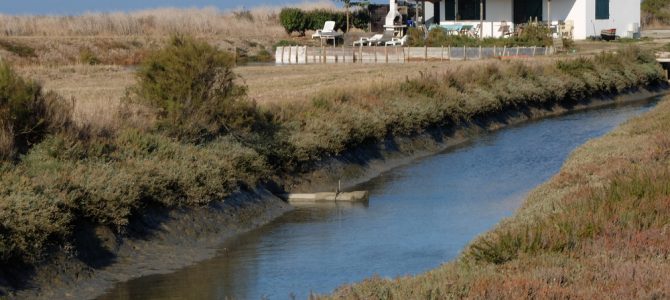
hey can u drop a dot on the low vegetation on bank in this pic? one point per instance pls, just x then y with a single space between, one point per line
598 229
533 35
190 135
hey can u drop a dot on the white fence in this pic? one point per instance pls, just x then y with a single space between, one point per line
320 55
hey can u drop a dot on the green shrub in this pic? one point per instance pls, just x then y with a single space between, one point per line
656 9
415 37
191 85
293 20
284 43
533 35
26 113
361 19
316 18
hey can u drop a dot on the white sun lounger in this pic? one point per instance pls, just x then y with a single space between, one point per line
368 41
327 31
397 41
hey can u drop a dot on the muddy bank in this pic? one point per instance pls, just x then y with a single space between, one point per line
164 240
160 241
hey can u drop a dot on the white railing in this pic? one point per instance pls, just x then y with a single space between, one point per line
391 54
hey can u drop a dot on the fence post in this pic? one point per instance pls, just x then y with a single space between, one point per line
306 56
397 56
450 52
375 54
495 51
480 52
344 55
425 52
442 53
534 51
517 51
465 53
323 52
504 50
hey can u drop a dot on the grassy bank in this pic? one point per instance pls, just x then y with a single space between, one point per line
169 152
598 229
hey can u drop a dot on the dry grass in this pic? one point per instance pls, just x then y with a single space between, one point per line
298 83
597 230
258 22
95 90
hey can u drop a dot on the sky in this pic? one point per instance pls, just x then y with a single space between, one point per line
69 7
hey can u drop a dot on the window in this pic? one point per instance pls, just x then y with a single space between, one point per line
467 10
602 9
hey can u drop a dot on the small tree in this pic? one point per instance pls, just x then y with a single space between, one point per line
191 84
293 20
27 114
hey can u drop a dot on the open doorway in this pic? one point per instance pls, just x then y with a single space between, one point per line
524 10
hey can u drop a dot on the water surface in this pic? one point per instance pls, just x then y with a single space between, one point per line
418 216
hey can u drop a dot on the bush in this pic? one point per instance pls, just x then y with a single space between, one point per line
26 113
86 56
191 85
293 20
360 19
296 20
533 35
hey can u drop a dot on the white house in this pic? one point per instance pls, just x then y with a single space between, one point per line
588 16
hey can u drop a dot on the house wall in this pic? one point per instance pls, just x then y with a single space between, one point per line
622 14
564 10
582 12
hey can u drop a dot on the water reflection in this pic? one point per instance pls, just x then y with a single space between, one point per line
418 217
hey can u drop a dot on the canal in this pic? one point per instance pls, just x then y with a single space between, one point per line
418 217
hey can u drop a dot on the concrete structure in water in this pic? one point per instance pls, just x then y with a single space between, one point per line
358 196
